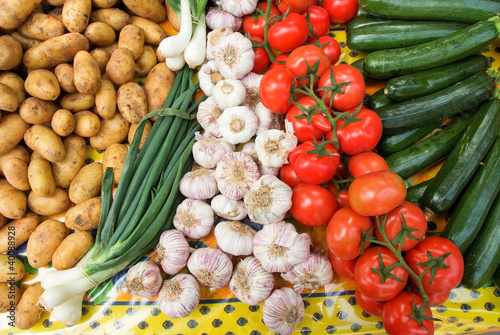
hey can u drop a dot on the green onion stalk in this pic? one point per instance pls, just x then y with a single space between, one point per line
143 206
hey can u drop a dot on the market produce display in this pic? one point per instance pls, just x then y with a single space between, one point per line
170 157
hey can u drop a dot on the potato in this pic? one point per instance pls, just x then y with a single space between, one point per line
114 17
43 84
100 34
12 128
12 201
57 12
153 32
87 183
56 3
158 84
66 76
145 133
50 205
14 81
103 3
37 111
101 56
41 178
87 75
146 61
71 250
85 215
121 66
132 38
63 122
28 310
3 220
172 17
13 13
9 297
45 141
77 101
131 101
11 54
41 26
15 170
111 48
8 99
65 170
114 157
114 130
153 10
105 100
44 241
25 42
76 15
11 268
19 151
86 123
54 51
18 230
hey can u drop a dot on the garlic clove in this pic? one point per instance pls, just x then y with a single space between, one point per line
179 296
209 76
218 18
208 151
267 119
207 115
250 283
213 38
229 93
283 311
199 184
234 56
172 250
211 267
315 272
235 173
237 124
252 84
228 208
194 218
234 238
143 280
239 8
274 146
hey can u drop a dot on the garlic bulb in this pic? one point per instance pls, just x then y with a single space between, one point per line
250 283
218 18
283 311
213 38
278 246
207 115
314 273
209 76
249 148
237 124
211 267
273 146
234 56
234 238
143 280
252 83
235 173
229 93
268 200
228 208
267 119
207 150
172 250
194 218
239 8
199 184
179 296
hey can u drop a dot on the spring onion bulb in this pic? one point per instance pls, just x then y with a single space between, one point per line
69 312
176 63
175 45
194 54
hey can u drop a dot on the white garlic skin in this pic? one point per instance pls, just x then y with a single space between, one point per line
252 84
235 173
228 208
173 251
234 237
229 93
273 146
179 296
211 267
250 283
237 124
234 55
239 8
194 218
207 115
143 280
213 38
209 76
208 151
199 184
283 311
219 18
315 272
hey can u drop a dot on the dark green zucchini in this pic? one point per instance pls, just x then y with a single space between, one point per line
415 193
364 20
464 159
440 105
496 277
392 35
469 11
358 64
421 83
429 151
391 63
378 100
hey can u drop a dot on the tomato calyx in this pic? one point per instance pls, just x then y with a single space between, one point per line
418 314
334 88
434 264
320 149
385 271
404 233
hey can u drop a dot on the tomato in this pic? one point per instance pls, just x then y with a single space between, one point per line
254 24
396 316
376 193
296 6
342 199
374 307
435 299
340 11
289 33
279 61
261 60
343 267
360 136
275 88
365 162
344 231
312 204
369 283
304 127
330 47
300 62
319 19
315 167
288 176
353 92
445 278
414 218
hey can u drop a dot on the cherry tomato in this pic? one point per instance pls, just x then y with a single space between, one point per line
316 168
396 316
288 34
296 6
369 283
319 19
365 162
374 307
344 231
353 92
343 267
275 88
301 61
414 218
340 11
450 273
288 176
261 60
330 47
254 24
304 127
312 204
376 193
279 61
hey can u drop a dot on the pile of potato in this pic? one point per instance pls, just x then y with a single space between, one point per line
68 81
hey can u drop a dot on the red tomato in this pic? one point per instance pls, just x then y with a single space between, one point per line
288 176
369 283
342 199
279 61
435 299
261 60
414 218
396 316
312 204
343 267
330 47
344 231
254 24
376 193
274 90
340 11
289 33
296 6
304 127
365 162
319 19
353 92
374 307
301 61
315 168
445 278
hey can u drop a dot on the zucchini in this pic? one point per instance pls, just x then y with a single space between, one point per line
415 193
464 159
421 83
429 151
496 277
378 100
364 20
358 64
390 63
440 105
468 11
392 35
